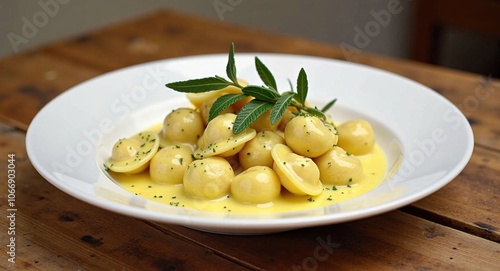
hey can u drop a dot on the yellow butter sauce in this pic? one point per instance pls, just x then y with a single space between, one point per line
374 167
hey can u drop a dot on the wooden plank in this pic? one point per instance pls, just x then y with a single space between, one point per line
469 203
54 231
168 34
392 241
29 81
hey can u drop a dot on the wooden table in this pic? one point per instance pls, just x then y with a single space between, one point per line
456 228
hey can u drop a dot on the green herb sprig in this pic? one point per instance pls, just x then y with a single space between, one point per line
265 97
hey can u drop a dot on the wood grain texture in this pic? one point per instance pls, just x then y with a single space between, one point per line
469 203
167 34
30 81
393 241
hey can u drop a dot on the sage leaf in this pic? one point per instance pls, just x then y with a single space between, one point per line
265 75
249 113
315 111
302 86
231 66
199 85
222 103
290 84
260 93
280 106
328 105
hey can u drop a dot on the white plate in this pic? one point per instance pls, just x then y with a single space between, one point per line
427 140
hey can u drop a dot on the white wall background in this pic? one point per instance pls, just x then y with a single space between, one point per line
331 21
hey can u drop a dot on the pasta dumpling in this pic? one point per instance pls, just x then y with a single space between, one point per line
298 174
356 137
219 139
132 155
169 164
205 110
257 152
197 99
256 185
208 178
181 126
288 115
339 167
263 123
309 136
